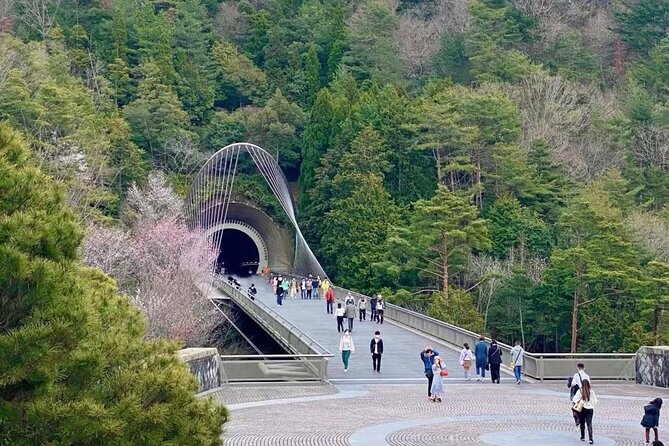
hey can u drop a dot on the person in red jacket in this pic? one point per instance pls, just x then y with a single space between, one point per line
329 299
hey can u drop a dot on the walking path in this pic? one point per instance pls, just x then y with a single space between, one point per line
402 346
473 413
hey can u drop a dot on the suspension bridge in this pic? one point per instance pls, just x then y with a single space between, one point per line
248 239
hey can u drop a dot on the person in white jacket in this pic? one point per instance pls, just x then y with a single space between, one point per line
466 357
346 347
585 400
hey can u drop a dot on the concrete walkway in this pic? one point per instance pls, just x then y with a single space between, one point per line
402 346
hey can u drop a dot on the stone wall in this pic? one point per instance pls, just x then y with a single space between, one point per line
652 366
204 364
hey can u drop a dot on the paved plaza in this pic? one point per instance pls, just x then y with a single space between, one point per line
472 413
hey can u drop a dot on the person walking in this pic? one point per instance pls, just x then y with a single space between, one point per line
329 300
651 418
380 308
279 291
481 354
252 292
274 281
285 284
439 371
494 361
303 288
376 349
362 309
427 356
315 283
585 401
325 286
339 314
517 354
349 299
293 288
309 284
466 357
350 315
575 383
372 307
346 347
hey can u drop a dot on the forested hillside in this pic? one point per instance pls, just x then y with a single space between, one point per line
502 165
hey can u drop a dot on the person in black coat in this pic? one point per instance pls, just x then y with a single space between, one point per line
494 361
376 349
651 418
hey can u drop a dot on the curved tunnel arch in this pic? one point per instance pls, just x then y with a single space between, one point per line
209 200
251 233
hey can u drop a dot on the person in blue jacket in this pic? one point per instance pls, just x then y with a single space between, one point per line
481 353
651 418
427 356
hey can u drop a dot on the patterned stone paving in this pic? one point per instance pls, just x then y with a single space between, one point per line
472 414
246 394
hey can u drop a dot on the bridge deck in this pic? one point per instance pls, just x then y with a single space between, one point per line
402 346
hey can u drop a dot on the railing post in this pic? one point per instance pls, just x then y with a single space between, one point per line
541 367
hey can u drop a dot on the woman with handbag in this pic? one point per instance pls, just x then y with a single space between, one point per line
585 401
439 371
466 357
494 360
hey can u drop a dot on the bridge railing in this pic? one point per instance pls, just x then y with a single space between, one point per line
293 338
539 366
309 361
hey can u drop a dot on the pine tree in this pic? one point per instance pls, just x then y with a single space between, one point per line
74 367
442 233
316 141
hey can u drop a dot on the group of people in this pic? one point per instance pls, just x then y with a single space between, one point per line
485 358
307 288
582 396
350 309
347 346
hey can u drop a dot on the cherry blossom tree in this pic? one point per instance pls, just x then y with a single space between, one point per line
159 263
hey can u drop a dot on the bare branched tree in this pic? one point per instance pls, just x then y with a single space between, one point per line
452 16
38 14
650 231
229 23
561 113
651 147
418 41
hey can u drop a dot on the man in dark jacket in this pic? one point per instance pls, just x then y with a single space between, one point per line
376 349
481 353
494 360
427 356
372 306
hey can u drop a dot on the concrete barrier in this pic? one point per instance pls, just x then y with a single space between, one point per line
204 364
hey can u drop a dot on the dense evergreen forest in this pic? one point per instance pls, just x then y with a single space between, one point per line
499 164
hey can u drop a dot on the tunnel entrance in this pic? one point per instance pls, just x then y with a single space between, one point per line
238 253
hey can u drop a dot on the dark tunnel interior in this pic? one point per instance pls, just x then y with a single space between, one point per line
238 253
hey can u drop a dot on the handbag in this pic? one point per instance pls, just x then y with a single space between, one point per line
578 406
443 372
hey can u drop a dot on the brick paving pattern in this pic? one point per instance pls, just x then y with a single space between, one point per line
246 394
472 413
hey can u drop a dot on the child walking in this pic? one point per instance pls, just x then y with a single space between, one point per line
651 418
466 357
